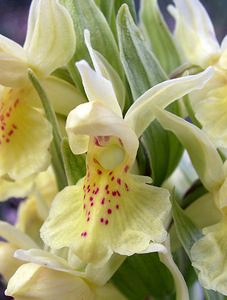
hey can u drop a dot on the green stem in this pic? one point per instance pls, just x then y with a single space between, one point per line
55 148
190 111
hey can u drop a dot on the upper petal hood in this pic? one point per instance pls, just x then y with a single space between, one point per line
195 32
13 63
94 119
50 41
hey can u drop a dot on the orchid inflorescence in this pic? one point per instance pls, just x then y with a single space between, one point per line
113 130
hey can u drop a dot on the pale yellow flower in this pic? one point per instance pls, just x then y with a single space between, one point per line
199 46
112 210
25 134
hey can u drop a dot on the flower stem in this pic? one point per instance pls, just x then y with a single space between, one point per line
55 148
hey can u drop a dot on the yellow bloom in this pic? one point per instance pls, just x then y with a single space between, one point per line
199 46
32 281
25 134
208 253
111 210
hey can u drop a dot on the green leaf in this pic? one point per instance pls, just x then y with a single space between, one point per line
75 165
154 27
142 276
186 230
86 15
144 71
55 148
110 9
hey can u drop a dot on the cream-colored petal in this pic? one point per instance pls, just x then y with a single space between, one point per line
25 136
29 221
50 41
34 282
94 119
107 212
101 275
44 191
8 263
202 152
62 95
108 292
209 257
47 260
140 114
212 113
195 33
98 88
223 59
16 189
13 63
104 68
180 284
15 236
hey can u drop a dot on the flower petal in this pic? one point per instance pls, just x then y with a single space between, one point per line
62 95
25 136
50 41
13 63
116 214
46 259
202 152
97 87
16 189
110 292
8 264
32 281
140 114
15 236
94 119
209 257
103 68
195 33
212 113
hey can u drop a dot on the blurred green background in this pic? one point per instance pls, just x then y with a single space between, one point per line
14 15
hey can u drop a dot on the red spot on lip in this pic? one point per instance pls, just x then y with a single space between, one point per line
109 211
92 203
106 222
110 173
126 168
101 220
99 172
114 193
126 187
112 178
117 206
91 198
10 132
84 234
103 201
106 187
119 181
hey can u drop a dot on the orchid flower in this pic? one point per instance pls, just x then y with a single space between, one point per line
111 210
208 253
196 36
24 253
25 134
45 272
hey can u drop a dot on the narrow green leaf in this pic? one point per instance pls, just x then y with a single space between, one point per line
110 9
144 71
75 165
56 154
144 276
160 38
187 232
86 15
